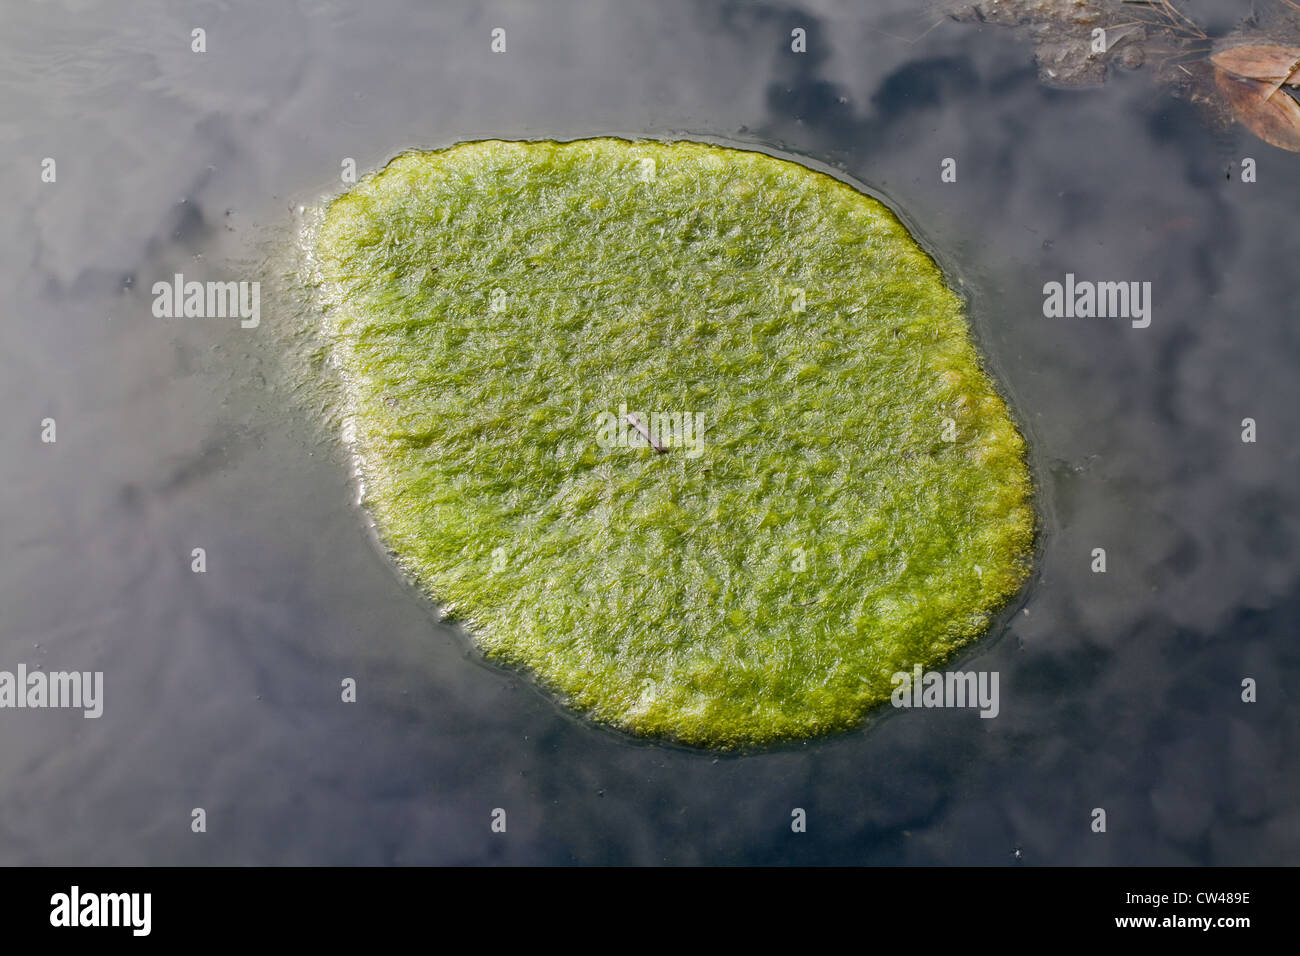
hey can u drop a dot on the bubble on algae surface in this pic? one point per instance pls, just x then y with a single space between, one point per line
861 502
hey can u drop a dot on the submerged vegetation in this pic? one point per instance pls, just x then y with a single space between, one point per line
1247 75
515 322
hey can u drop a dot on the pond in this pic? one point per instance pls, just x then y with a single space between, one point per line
223 690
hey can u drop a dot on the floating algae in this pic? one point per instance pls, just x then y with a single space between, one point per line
696 435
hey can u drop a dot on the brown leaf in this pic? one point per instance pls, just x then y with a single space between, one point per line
1261 61
1273 118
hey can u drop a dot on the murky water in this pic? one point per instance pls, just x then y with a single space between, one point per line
222 690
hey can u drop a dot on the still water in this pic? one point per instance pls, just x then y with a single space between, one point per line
222 690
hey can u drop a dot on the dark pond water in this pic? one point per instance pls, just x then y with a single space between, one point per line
222 690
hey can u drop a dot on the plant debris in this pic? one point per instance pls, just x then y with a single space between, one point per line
1245 76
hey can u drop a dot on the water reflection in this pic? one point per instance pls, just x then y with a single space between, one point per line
1119 690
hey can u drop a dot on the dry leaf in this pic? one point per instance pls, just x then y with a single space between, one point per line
1261 61
1273 118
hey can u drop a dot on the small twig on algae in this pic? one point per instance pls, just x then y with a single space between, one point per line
645 433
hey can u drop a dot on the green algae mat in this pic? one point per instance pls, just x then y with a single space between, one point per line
695 435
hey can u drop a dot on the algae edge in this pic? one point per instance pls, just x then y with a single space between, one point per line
655 594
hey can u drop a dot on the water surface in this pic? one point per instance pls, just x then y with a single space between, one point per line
1119 690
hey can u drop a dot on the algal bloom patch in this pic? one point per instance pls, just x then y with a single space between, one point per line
695 435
